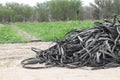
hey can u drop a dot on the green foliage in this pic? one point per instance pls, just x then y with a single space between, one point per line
8 35
21 12
106 8
116 6
65 9
48 11
5 15
41 12
48 31
58 10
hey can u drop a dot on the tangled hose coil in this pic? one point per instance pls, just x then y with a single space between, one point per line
97 47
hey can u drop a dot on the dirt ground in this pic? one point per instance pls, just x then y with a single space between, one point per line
10 68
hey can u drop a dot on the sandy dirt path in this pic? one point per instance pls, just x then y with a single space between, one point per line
25 34
10 69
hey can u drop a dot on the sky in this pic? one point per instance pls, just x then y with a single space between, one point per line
33 2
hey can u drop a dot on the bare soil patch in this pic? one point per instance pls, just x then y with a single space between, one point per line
10 68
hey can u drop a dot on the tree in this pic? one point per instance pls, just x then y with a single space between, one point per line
88 12
22 12
96 11
105 8
41 11
116 6
48 11
6 15
65 9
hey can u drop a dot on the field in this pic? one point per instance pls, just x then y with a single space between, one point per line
45 31
9 35
48 31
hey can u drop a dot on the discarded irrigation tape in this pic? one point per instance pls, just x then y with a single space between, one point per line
97 47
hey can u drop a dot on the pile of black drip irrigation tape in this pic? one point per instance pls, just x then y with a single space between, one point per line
97 47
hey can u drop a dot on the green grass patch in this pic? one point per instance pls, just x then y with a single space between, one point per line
9 35
48 31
